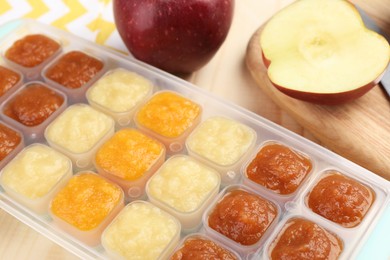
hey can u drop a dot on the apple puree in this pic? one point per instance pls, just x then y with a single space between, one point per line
74 69
183 184
141 231
120 90
303 239
35 171
9 140
242 216
79 128
221 140
32 50
33 105
279 168
341 199
8 79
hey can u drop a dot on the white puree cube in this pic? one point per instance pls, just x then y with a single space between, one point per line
35 175
118 93
222 143
78 131
141 231
184 187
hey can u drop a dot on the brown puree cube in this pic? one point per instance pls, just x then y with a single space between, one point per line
8 79
341 199
9 140
202 248
303 239
33 104
279 168
74 69
32 50
242 216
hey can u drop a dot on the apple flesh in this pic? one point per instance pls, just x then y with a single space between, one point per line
320 51
178 36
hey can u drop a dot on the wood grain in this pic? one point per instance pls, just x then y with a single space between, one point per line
359 130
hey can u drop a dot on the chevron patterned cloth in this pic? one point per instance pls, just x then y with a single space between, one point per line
90 19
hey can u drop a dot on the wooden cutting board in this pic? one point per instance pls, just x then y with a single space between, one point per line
359 130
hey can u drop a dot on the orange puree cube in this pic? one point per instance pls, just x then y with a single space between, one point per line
86 205
129 158
170 117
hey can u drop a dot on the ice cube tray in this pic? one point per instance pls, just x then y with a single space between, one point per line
365 237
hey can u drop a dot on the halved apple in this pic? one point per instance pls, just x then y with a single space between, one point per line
320 51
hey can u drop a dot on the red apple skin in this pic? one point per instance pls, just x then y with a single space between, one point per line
178 36
324 98
331 99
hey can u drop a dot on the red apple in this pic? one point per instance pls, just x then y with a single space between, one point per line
178 36
320 51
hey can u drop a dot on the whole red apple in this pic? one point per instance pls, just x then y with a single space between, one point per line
178 36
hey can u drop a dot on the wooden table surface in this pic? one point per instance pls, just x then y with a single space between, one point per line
227 76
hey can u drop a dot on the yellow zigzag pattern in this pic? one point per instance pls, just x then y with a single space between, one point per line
4 7
105 2
38 9
104 28
75 11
